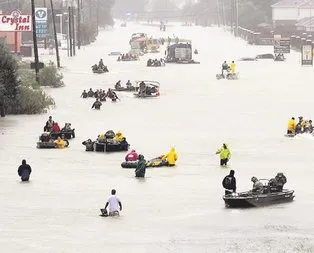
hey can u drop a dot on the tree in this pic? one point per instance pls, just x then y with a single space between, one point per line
104 10
8 78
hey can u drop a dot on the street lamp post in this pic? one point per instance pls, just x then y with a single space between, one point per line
60 24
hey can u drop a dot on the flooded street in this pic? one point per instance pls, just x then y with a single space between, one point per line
173 209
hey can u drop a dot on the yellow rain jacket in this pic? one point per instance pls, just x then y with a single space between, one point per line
59 143
118 137
171 157
291 125
224 153
233 67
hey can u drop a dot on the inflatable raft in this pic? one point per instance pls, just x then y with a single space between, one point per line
156 162
67 134
111 146
50 144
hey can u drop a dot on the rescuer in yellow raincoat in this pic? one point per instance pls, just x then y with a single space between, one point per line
118 137
291 126
59 143
233 67
225 155
171 157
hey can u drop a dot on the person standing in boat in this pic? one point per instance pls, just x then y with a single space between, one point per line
291 126
233 67
225 155
24 171
97 104
224 68
229 183
280 180
49 125
114 204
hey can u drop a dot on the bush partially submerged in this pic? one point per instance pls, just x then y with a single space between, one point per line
50 76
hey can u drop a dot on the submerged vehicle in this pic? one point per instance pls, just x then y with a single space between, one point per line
268 196
147 89
265 56
249 199
248 59
115 53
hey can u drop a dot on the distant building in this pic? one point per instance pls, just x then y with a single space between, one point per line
290 12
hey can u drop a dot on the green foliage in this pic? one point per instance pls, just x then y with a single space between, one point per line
50 76
88 33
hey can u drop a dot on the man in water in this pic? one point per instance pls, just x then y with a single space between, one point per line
24 171
114 204
224 67
291 126
225 155
84 94
97 104
141 167
233 67
229 183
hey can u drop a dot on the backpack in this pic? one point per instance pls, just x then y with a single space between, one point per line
227 182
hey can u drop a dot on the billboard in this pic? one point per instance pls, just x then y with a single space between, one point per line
15 22
306 54
41 22
282 46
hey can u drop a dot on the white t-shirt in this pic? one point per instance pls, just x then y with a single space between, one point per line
113 203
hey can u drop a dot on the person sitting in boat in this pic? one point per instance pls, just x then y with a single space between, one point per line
300 126
59 143
128 84
101 64
97 104
56 128
229 183
118 85
90 93
280 181
49 125
195 51
89 145
308 128
149 62
101 138
224 68
132 156
291 126
45 137
118 137
225 154
105 68
84 94
171 157
257 185
95 67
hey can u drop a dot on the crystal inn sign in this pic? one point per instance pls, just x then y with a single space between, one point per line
15 22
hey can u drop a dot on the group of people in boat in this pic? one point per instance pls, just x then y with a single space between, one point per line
146 90
100 95
274 185
170 158
128 57
227 70
100 67
279 57
128 85
155 63
102 138
302 126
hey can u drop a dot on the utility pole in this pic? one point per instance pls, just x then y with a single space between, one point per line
45 39
218 14
70 29
90 10
35 41
73 29
97 17
237 17
55 34
79 24
231 15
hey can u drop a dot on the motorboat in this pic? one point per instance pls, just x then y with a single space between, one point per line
265 56
229 76
150 89
250 199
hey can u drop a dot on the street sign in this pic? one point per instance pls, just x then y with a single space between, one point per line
40 65
306 54
15 22
282 46
41 18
